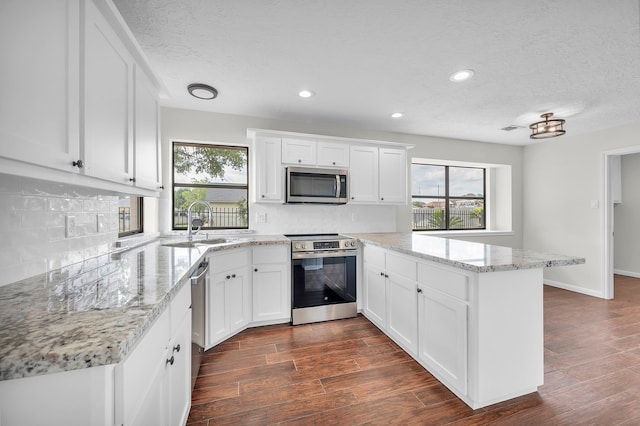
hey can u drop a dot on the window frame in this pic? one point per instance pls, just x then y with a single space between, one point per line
175 185
140 228
447 198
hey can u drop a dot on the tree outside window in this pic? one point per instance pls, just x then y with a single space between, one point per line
215 174
447 197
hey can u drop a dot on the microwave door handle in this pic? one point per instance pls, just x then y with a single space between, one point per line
338 186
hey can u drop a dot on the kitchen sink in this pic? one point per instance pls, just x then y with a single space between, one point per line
196 243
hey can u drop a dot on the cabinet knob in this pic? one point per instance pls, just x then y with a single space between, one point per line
419 290
382 274
79 164
228 277
299 161
170 360
353 198
382 198
262 195
233 276
255 270
132 180
334 163
161 187
386 276
176 348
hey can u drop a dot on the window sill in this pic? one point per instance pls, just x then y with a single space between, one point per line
133 241
466 233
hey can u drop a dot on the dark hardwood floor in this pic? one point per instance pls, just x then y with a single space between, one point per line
347 372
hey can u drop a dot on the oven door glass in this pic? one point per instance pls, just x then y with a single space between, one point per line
323 280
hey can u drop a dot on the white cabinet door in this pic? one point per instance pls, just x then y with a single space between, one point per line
393 176
333 154
178 374
217 305
443 336
268 159
40 83
271 292
375 295
402 312
108 97
147 170
363 174
299 151
239 303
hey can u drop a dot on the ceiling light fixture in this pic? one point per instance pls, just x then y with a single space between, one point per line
547 128
397 115
306 93
461 75
202 91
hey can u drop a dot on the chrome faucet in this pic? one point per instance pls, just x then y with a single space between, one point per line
190 234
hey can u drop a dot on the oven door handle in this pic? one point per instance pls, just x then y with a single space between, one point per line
328 253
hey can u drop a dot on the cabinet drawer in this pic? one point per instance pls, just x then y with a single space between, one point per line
179 306
374 256
224 261
401 266
448 282
270 254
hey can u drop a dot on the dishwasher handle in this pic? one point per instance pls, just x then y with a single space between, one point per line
202 269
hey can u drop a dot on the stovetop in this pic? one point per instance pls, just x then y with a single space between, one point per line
319 242
316 237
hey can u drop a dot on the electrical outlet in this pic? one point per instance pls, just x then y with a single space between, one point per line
70 226
354 217
261 217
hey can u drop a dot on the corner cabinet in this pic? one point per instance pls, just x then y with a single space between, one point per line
229 295
96 107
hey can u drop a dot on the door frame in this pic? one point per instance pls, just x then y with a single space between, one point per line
607 218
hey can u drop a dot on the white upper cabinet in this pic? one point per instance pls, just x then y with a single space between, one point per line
268 166
147 167
108 97
39 84
299 151
393 176
363 174
79 102
333 154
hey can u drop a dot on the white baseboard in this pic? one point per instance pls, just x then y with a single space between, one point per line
574 288
627 273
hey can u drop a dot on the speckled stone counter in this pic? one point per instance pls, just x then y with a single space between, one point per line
470 256
94 312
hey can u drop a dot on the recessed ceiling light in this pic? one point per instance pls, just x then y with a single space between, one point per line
306 93
397 115
461 75
202 91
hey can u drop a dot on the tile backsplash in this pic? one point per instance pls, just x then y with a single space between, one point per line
33 224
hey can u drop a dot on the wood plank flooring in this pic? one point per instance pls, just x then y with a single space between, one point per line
347 372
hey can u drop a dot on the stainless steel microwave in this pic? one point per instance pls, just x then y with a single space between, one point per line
321 186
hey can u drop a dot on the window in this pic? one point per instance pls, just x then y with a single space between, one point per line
447 197
129 216
215 174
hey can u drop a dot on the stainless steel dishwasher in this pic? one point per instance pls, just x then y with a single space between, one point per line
198 305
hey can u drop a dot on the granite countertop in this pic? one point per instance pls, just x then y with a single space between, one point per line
470 256
94 312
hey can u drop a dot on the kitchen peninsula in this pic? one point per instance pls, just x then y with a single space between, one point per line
470 313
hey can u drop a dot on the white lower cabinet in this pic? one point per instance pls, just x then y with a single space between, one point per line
271 285
229 295
390 296
443 336
153 385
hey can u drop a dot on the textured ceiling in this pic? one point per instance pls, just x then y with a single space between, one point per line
366 59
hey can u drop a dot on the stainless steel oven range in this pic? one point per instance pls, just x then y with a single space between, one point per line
323 275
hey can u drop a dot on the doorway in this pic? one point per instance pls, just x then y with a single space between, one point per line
609 167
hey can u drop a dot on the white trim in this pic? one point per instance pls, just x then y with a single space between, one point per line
627 273
573 288
607 251
466 233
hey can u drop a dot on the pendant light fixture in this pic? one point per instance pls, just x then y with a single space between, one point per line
547 128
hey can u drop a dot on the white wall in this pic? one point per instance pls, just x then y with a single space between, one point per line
626 217
32 226
561 178
180 124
